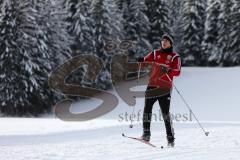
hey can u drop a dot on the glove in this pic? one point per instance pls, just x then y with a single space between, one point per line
165 70
140 59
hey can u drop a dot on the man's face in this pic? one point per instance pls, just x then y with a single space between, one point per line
165 43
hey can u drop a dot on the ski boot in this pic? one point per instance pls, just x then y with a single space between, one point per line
146 136
170 140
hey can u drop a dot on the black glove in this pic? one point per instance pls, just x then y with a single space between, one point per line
140 59
165 70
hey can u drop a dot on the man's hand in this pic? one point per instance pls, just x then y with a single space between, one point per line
165 70
140 59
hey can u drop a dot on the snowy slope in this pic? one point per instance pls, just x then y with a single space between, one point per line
211 92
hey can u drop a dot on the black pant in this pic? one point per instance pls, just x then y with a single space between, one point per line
164 102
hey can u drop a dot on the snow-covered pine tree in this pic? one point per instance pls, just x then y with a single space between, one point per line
120 4
24 61
175 20
225 37
54 26
116 20
107 28
70 5
235 34
158 14
81 30
32 41
209 45
136 26
175 8
81 27
191 32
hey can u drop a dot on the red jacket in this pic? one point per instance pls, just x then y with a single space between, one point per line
170 60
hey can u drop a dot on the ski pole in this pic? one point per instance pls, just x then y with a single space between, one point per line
133 111
187 105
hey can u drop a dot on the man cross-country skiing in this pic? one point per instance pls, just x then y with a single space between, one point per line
165 65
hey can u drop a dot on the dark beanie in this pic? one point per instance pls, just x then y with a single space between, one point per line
168 37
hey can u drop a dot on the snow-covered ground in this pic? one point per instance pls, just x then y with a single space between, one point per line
211 92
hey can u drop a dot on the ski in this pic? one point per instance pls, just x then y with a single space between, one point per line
140 140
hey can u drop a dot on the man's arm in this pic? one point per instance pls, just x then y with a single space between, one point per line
147 58
176 66
143 61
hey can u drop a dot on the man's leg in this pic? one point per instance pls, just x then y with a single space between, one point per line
164 102
147 115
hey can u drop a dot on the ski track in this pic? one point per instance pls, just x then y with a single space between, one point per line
107 143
